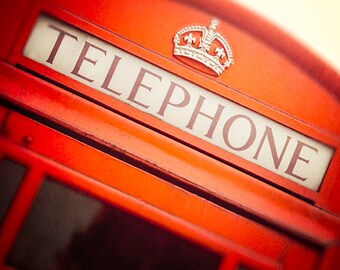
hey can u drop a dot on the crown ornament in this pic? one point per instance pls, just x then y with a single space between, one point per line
203 45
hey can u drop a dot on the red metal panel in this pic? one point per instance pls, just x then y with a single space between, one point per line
151 189
253 75
223 224
181 162
281 81
271 90
331 258
41 166
3 114
13 16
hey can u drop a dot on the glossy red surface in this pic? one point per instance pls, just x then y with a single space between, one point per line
272 75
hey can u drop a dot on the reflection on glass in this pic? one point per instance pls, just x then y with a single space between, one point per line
70 230
11 175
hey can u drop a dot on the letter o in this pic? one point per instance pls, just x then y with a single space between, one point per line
252 134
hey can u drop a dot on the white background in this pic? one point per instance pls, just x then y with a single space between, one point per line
315 23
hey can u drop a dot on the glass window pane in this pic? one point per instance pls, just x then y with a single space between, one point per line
11 174
67 229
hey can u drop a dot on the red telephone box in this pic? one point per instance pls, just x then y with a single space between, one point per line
164 135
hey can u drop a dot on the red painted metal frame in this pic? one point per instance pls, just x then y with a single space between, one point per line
180 162
286 95
172 157
238 84
234 237
40 166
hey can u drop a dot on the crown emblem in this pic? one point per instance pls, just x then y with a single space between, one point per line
205 46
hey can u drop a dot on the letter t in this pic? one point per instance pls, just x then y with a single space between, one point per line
57 44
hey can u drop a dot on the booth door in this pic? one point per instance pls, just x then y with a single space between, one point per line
67 205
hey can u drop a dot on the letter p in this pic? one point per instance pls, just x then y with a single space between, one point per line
168 98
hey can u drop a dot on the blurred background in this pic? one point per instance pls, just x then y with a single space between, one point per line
315 23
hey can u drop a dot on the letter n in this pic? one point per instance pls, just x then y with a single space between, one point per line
268 133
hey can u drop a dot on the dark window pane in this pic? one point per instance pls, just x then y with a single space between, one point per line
11 175
69 230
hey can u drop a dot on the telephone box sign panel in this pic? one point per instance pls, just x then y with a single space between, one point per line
178 102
